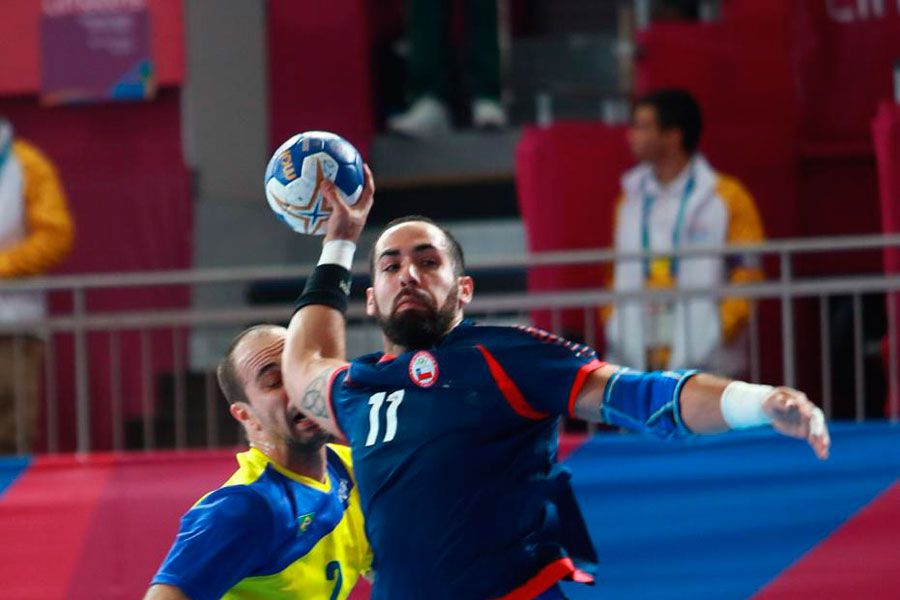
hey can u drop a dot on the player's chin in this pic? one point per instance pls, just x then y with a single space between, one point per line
309 438
302 425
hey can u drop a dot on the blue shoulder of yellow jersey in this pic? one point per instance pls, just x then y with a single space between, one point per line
219 540
272 533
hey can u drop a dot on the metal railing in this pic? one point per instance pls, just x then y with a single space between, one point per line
90 332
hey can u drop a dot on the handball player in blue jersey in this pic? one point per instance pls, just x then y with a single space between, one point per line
453 427
287 524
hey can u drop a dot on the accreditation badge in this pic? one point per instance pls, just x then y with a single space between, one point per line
660 275
660 315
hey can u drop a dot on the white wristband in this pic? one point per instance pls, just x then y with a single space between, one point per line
742 403
337 252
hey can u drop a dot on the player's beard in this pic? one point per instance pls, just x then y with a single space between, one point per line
308 439
312 442
416 329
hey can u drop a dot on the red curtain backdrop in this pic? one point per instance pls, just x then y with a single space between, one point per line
319 70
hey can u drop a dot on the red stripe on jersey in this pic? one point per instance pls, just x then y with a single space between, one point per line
580 378
544 580
508 388
329 404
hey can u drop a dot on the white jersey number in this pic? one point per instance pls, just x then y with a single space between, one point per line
390 430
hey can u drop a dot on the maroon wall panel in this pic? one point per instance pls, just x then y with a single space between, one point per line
319 69
844 52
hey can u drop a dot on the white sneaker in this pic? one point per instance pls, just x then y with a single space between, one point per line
426 118
488 114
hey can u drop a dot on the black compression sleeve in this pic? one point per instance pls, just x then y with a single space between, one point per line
328 285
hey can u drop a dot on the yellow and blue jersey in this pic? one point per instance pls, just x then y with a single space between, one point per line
269 533
455 454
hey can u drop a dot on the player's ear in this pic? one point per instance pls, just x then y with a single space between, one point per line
370 302
241 412
466 289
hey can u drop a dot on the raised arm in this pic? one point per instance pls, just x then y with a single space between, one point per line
315 347
674 404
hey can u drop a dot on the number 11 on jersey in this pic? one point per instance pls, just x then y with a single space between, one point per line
390 430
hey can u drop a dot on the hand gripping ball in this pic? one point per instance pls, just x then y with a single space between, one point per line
295 174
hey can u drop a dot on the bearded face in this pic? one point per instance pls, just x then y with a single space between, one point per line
417 293
415 321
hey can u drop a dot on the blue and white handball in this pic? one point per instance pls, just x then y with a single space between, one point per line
295 174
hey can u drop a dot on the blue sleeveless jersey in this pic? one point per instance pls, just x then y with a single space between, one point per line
455 456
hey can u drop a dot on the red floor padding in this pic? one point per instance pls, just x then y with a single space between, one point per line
137 518
859 560
98 527
43 520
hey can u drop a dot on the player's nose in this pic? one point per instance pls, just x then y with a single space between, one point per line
409 274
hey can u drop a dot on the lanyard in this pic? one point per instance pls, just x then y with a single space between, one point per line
676 232
6 139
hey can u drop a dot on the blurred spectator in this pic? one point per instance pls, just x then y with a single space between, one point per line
35 233
674 199
429 67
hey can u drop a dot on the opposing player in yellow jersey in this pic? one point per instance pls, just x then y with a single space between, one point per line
288 523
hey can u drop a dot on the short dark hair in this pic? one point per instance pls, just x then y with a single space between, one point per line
456 251
230 382
676 109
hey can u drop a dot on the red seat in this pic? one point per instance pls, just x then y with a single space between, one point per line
567 178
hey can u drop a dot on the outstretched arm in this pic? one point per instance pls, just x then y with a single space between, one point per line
315 347
672 404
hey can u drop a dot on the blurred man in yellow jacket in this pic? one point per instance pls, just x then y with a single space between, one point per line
36 232
674 199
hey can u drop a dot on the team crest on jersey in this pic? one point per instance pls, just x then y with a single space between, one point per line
304 521
423 369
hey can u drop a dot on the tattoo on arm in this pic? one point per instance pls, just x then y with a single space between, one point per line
314 400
